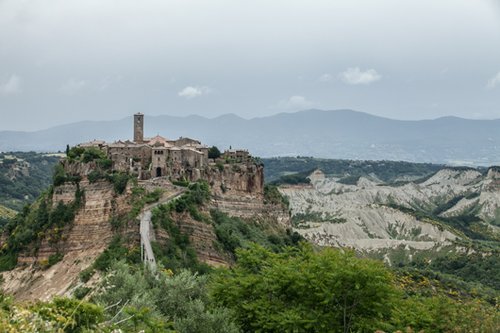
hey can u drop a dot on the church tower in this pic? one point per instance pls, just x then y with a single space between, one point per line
138 128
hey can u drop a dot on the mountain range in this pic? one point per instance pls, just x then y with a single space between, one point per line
342 134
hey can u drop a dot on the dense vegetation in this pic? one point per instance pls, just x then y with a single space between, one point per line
294 170
231 232
277 282
296 289
24 176
46 219
41 220
303 290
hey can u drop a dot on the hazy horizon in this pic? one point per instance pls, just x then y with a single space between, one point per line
63 62
242 117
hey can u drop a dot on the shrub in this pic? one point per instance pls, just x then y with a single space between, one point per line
104 163
59 175
54 259
92 153
214 152
115 251
86 274
75 152
273 196
119 181
95 175
81 292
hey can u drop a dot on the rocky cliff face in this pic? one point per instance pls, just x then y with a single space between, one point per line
237 189
372 215
80 243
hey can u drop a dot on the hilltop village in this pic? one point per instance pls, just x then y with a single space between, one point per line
161 157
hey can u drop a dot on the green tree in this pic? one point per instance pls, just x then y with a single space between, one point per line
300 290
161 301
214 152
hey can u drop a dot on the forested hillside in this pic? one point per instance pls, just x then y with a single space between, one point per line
23 176
293 170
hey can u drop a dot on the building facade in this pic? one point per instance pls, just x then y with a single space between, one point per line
154 157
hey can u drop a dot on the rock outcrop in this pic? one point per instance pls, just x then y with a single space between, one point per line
366 216
237 189
80 243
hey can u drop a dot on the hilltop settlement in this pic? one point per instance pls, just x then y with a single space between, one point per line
160 157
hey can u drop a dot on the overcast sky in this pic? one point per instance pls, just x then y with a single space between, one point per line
63 61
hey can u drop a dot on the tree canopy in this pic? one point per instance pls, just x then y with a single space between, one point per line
299 290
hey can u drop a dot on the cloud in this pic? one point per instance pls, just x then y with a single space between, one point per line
493 82
11 86
191 92
326 78
295 102
354 76
72 86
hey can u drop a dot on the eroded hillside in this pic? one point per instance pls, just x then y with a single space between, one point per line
450 206
62 243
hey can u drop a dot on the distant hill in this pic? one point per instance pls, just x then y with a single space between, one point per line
344 134
23 176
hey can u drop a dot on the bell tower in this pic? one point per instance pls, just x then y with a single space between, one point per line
138 128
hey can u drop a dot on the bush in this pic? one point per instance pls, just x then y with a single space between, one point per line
120 181
59 175
104 163
81 292
273 196
54 259
115 251
86 274
95 175
70 315
92 153
214 152
75 152
181 182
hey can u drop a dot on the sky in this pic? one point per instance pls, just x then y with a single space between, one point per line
63 61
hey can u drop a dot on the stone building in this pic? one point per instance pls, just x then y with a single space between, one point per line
154 157
237 155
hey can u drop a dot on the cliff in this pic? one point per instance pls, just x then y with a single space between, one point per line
236 189
80 243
